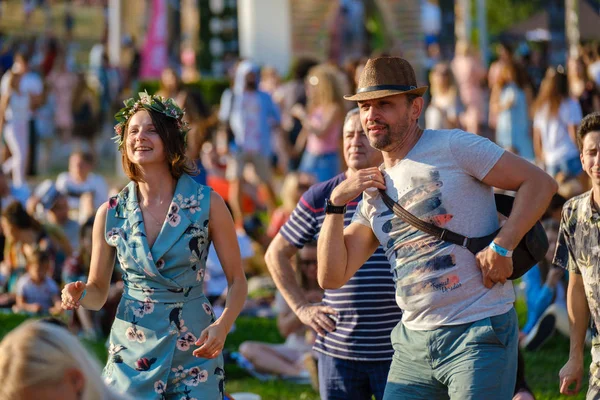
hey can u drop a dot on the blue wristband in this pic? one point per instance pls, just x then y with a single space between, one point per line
82 295
500 250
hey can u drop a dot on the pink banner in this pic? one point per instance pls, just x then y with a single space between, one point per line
154 53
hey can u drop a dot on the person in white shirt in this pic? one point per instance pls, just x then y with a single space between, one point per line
20 93
555 121
85 190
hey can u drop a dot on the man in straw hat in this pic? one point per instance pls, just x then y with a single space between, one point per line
458 334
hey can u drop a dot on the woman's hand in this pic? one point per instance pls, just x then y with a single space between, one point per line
71 295
211 341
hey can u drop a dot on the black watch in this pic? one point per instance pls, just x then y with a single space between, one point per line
331 209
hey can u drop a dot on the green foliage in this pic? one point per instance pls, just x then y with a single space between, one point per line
501 14
211 88
8 322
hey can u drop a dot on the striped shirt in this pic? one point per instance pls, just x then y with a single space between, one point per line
366 305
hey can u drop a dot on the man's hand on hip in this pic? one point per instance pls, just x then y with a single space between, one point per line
317 317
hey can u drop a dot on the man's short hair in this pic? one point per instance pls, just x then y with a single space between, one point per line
351 113
86 156
591 123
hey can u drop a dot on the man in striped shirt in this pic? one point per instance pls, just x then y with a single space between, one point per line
354 322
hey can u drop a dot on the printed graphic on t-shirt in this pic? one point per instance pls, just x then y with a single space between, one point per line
424 200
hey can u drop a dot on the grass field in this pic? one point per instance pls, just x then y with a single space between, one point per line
542 367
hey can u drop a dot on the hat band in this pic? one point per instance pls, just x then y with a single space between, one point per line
402 88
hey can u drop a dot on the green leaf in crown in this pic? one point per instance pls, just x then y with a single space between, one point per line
155 103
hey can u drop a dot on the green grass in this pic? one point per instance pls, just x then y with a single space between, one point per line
542 367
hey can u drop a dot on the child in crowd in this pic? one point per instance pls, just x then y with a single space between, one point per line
36 292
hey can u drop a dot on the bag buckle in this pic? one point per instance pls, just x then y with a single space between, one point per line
465 242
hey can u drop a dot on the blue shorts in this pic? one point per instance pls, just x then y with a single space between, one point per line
570 168
477 360
341 379
322 166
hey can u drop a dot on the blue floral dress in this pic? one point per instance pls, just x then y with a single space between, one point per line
163 309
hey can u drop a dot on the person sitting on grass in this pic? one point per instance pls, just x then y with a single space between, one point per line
288 360
36 292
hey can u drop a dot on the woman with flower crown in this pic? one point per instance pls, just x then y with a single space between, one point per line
165 342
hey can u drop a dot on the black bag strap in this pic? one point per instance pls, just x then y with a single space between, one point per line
472 244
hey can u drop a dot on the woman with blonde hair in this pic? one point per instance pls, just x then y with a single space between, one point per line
322 122
445 108
43 361
556 117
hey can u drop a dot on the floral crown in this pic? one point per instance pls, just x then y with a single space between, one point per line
155 103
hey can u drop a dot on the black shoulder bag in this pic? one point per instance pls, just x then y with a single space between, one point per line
531 249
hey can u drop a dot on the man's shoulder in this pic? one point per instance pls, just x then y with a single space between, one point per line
577 203
315 195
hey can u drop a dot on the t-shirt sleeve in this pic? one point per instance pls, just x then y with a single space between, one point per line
20 286
52 287
360 216
246 250
61 182
34 85
474 154
100 191
302 226
225 106
575 113
4 83
564 256
275 115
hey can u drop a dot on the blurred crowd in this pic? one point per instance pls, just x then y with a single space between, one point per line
267 142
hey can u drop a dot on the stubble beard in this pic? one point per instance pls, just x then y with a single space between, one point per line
394 135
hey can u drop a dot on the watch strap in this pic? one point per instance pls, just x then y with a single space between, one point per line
332 209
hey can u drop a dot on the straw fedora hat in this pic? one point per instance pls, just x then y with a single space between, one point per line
386 76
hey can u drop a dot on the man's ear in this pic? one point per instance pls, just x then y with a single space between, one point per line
417 107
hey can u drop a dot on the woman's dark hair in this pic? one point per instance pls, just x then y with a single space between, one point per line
174 147
39 256
554 89
16 215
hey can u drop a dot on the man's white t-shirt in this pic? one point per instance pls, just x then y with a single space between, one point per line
439 181
216 281
73 190
20 104
556 142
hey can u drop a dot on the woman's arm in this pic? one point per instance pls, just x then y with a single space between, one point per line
224 238
101 268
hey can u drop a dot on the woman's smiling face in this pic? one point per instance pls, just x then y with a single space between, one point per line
144 145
